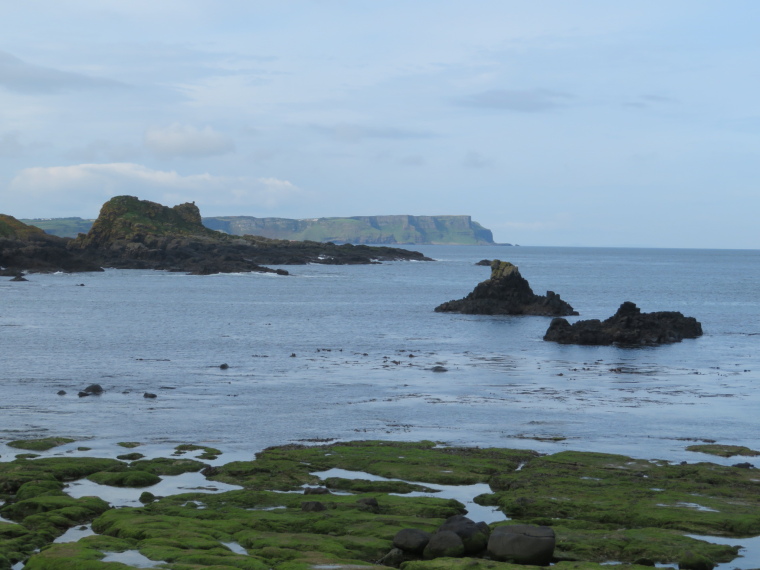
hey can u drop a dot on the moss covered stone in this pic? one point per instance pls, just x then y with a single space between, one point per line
724 450
40 444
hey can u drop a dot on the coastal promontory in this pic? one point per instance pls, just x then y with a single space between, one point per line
27 248
507 292
386 230
627 327
138 234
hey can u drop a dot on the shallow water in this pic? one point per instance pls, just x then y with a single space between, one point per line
129 497
352 330
462 493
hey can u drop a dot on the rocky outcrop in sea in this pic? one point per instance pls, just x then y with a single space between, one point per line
628 327
507 292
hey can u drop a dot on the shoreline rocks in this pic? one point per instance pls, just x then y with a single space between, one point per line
507 292
627 327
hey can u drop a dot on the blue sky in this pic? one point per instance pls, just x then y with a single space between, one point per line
552 122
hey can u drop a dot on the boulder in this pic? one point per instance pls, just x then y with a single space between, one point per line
96 389
412 540
313 506
474 535
627 327
522 544
507 292
442 544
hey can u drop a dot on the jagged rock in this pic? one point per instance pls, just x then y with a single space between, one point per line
522 544
506 292
444 543
412 540
484 262
628 327
19 278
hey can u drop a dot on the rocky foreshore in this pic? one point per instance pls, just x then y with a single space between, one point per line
574 510
627 327
507 292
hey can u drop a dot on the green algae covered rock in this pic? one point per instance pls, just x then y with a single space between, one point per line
131 478
40 444
611 489
724 450
289 467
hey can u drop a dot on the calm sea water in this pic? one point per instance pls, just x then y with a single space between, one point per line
347 352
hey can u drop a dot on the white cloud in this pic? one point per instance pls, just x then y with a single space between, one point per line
178 140
81 186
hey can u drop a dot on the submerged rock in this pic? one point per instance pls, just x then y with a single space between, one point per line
507 292
628 326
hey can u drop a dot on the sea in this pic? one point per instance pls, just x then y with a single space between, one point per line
334 353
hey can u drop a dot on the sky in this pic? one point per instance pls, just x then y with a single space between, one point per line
551 122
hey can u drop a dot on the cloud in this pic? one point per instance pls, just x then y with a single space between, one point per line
19 76
350 133
521 101
187 141
89 185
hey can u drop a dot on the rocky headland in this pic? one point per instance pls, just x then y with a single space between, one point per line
131 233
391 230
25 248
627 327
507 292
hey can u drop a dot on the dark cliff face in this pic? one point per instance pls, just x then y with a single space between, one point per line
27 248
627 327
507 292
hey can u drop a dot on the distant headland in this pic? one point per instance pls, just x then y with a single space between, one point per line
392 230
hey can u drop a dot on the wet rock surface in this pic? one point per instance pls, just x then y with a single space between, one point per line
627 327
507 292
602 508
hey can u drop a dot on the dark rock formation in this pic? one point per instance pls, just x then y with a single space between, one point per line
313 506
444 543
27 248
412 540
627 327
507 293
474 535
137 234
522 544
96 389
